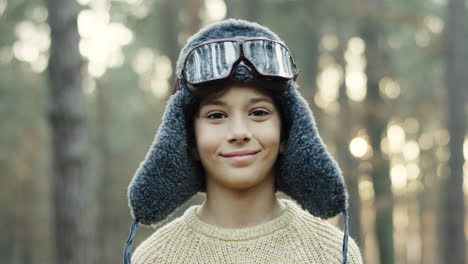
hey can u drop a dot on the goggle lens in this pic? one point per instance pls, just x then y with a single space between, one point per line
211 61
215 60
269 58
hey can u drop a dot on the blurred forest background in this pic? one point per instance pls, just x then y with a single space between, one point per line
83 85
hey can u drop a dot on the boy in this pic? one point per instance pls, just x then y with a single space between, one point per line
238 129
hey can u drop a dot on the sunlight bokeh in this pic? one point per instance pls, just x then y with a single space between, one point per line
396 138
442 154
411 150
366 189
411 125
161 75
434 24
413 171
83 2
358 147
356 45
329 42
384 145
399 178
102 41
154 71
328 82
422 38
143 60
356 83
389 88
426 141
442 137
32 44
214 10
355 79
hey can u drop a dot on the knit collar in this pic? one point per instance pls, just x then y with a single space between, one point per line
237 234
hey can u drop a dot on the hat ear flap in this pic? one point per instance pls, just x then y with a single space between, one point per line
169 175
307 172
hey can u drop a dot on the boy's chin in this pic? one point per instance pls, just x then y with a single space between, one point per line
241 182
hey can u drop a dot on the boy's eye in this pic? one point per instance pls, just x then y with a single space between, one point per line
216 115
259 113
219 115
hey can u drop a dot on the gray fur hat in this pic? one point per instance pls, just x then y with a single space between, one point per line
169 175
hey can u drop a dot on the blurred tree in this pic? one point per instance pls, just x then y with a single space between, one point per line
252 10
170 29
194 16
347 123
245 9
311 21
372 29
106 193
453 209
348 164
68 132
229 9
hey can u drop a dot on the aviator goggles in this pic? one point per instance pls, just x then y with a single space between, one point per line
215 59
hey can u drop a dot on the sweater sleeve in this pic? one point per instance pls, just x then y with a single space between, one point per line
145 255
153 250
331 240
354 254
148 252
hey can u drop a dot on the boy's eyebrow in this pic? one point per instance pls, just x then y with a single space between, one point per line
251 101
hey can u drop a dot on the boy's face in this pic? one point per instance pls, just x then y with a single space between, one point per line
242 118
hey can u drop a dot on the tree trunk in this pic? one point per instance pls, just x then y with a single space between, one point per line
375 119
347 163
230 13
312 53
194 17
429 203
171 43
453 211
252 10
67 132
106 178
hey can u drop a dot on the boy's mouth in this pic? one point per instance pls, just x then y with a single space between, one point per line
241 158
240 153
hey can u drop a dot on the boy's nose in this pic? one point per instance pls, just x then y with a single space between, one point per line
239 131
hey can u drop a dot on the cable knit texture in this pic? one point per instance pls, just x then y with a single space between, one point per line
293 237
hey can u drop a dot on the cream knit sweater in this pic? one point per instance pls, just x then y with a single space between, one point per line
293 237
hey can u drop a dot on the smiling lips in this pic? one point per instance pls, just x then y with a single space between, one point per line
241 157
240 153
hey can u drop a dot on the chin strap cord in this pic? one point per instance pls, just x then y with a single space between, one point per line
345 237
128 245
